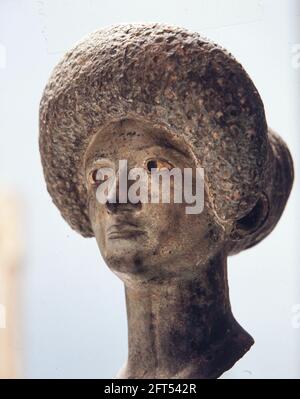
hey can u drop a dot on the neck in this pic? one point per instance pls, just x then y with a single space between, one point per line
183 329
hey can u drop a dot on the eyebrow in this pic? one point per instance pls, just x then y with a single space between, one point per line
166 145
179 150
102 157
97 158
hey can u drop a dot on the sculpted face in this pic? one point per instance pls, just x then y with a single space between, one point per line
145 240
183 328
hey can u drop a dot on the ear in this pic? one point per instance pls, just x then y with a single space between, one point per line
253 221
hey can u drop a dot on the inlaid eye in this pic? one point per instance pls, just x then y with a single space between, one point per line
97 176
158 164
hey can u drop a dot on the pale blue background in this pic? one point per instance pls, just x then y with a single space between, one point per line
73 311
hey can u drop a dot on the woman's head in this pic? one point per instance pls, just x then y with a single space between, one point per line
166 231
172 88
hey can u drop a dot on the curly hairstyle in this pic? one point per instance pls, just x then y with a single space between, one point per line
173 78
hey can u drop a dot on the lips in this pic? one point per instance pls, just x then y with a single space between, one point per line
124 230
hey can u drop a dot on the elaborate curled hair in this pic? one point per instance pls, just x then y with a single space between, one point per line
178 80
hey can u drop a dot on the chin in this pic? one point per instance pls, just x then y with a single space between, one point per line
125 258
132 268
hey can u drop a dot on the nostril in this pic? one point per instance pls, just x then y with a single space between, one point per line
137 206
113 207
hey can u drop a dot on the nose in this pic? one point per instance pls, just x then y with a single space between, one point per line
117 198
117 207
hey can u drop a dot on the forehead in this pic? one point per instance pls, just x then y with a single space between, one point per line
129 136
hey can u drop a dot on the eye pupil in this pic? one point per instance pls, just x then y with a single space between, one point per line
151 165
97 177
94 175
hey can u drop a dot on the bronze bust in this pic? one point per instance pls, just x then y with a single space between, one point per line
162 96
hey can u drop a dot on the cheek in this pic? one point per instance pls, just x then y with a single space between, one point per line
179 233
166 225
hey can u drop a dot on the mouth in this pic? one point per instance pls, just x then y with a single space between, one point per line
124 231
